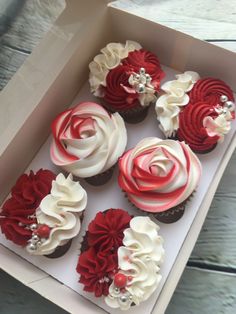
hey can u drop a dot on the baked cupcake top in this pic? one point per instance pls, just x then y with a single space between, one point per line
159 174
87 140
125 75
125 268
43 212
199 111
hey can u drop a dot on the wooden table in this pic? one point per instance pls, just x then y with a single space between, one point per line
208 284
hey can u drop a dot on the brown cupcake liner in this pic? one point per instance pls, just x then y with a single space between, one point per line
168 216
101 178
63 249
133 115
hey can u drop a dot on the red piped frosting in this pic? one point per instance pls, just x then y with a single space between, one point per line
145 59
191 129
105 232
210 90
118 93
158 174
17 213
99 263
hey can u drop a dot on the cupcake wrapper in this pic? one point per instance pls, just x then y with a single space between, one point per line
60 250
168 216
101 178
135 115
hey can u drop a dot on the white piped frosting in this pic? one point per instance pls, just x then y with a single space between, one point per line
61 211
140 258
169 105
110 58
99 141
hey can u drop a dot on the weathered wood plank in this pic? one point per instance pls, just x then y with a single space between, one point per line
216 243
202 19
22 25
17 298
204 292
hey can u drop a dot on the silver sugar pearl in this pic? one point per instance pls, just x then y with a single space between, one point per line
142 71
35 238
137 76
230 105
33 226
141 88
31 247
123 298
225 111
117 290
223 98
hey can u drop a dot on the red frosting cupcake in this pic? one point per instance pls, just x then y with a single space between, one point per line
127 77
120 258
197 111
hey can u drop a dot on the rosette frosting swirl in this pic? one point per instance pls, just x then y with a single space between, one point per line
87 140
159 174
168 106
210 90
139 261
60 211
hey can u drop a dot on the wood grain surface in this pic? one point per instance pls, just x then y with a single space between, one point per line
208 284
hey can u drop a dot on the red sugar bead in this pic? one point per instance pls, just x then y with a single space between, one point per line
120 280
43 231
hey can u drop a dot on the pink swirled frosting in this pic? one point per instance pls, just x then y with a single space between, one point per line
159 174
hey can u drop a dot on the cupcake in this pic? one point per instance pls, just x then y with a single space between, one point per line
159 176
197 111
122 258
87 142
43 213
127 78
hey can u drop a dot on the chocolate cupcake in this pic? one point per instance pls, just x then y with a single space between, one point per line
158 177
121 259
197 111
87 142
43 213
127 78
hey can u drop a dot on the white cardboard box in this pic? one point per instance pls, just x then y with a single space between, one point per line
48 82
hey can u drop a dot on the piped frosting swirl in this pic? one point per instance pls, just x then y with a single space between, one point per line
58 216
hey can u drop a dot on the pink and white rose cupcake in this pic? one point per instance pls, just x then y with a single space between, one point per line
87 142
158 176
196 110
127 78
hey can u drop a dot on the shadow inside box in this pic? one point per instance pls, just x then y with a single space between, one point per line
17 298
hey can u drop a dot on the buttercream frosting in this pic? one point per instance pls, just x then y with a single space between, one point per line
61 212
159 174
169 105
139 259
110 57
87 139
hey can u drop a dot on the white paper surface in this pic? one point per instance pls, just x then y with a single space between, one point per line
110 195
